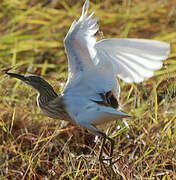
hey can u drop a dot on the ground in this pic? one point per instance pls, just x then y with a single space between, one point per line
33 146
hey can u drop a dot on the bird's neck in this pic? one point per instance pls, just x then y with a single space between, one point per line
46 95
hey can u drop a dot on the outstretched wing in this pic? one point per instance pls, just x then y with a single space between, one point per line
133 59
81 53
80 41
96 65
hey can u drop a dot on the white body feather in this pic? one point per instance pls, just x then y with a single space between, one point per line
95 66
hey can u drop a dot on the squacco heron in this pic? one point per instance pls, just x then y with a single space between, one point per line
91 94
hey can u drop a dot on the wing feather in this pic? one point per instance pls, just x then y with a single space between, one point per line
79 42
134 59
96 65
81 53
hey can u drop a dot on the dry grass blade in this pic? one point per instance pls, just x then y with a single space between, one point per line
35 147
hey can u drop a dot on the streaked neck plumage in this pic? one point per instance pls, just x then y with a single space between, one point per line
46 94
48 100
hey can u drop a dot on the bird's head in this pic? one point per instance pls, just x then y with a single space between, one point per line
34 81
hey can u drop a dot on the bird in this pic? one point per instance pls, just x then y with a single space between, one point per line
91 94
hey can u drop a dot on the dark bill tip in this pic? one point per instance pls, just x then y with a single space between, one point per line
18 76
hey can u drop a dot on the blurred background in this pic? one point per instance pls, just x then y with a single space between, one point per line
33 146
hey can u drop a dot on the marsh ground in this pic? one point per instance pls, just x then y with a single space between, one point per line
33 146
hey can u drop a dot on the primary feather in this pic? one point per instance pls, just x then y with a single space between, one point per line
100 63
94 68
134 59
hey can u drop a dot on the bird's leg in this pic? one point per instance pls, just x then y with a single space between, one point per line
104 136
101 159
111 173
101 149
111 149
102 146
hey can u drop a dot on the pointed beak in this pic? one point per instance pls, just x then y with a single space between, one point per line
18 76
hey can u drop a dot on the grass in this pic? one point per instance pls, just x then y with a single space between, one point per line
33 146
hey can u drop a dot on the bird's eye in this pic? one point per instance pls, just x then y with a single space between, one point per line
26 80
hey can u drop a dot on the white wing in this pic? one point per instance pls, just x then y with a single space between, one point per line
96 65
80 48
133 59
79 43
